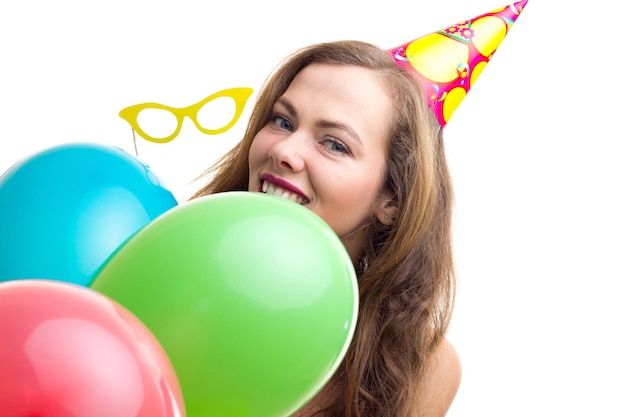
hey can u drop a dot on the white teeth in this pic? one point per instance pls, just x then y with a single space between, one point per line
272 189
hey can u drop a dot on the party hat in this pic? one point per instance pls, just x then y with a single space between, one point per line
449 61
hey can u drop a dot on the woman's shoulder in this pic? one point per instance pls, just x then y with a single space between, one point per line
441 381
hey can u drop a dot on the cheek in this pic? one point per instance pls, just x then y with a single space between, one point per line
258 150
353 197
256 158
367 187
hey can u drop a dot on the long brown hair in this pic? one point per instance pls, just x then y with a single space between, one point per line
406 274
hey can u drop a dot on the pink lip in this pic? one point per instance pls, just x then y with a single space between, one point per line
281 183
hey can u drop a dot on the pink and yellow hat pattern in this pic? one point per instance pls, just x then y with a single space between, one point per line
449 61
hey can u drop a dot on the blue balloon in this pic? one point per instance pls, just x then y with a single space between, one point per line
64 211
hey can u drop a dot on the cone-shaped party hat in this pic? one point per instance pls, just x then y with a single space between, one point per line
449 61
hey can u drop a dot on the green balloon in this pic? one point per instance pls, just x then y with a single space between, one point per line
254 298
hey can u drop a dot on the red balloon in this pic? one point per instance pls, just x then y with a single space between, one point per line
69 351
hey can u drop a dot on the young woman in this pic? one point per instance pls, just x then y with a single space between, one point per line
342 130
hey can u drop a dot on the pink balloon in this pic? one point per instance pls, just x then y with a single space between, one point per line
66 350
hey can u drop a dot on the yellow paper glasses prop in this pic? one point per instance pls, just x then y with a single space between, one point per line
160 123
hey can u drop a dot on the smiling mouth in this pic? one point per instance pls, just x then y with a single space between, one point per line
273 189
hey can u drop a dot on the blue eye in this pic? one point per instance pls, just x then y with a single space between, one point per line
281 122
334 145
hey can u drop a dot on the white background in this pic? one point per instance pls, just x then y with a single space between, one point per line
536 151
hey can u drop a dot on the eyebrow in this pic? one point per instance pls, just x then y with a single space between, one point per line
329 124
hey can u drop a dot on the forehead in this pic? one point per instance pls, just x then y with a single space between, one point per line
343 78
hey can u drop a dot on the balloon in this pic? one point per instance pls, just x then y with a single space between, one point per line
68 351
65 210
253 297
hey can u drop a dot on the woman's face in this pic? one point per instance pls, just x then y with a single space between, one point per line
325 146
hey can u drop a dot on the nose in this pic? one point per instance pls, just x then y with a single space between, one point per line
289 153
